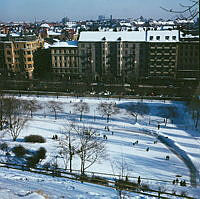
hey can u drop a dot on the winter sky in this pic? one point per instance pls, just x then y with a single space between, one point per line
54 10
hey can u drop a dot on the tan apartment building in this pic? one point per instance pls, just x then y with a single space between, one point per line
64 59
18 54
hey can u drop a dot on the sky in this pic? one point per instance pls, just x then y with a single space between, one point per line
55 10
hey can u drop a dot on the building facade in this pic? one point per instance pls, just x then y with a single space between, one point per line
188 67
18 55
64 59
162 54
112 55
2 59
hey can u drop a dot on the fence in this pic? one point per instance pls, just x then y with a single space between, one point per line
115 181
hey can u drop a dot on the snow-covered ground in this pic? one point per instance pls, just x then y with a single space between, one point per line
178 140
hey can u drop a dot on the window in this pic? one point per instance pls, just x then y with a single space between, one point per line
8 45
9 59
173 37
157 37
151 38
166 37
29 59
16 52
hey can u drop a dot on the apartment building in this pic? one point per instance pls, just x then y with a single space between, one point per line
64 59
18 54
2 60
162 54
188 67
111 55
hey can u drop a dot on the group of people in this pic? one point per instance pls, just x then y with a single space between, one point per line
182 182
55 137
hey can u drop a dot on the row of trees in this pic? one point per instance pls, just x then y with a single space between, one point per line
14 113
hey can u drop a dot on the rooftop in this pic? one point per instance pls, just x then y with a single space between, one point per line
65 44
112 36
132 36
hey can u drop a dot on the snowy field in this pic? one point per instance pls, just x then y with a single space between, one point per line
177 139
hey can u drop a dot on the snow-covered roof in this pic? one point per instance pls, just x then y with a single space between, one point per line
184 21
133 36
125 24
65 44
111 36
15 35
45 25
2 35
52 33
163 36
182 35
46 45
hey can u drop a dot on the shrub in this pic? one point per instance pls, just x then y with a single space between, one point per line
35 159
34 139
47 166
41 153
4 147
98 180
32 161
125 184
19 150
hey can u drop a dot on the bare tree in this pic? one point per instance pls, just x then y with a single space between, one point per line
16 127
194 106
108 109
81 107
189 11
15 112
91 147
68 145
138 108
122 167
168 112
32 106
55 107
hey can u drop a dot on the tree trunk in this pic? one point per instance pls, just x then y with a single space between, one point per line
10 122
70 162
108 116
1 121
1 116
81 116
55 115
82 167
197 120
70 153
165 121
